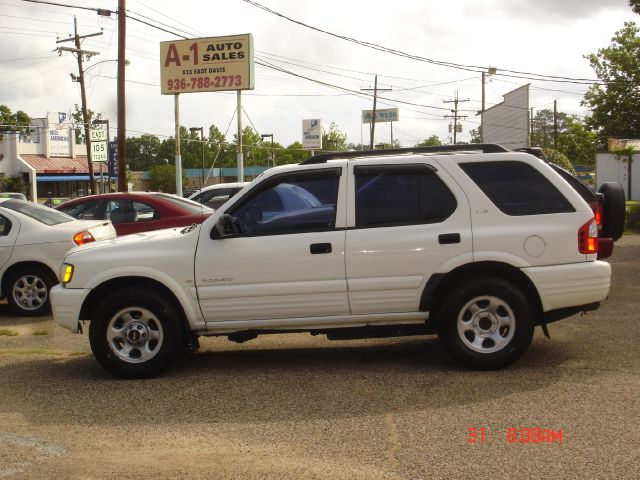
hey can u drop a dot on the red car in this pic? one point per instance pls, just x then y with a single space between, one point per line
135 212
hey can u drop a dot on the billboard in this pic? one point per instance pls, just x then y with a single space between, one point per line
59 134
312 134
209 64
507 123
382 115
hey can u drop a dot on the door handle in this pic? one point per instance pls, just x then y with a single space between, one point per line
317 248
448 238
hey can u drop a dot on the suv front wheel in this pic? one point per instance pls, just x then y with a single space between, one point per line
135 333
486 323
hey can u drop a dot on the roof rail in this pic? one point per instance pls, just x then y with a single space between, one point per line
484 147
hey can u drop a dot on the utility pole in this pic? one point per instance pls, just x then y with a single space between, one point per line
122 126
531 135
455 115
491 71
372 128
83 95
555 124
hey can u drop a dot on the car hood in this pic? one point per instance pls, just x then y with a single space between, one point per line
137 241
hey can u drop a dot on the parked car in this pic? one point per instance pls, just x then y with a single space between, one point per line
215 196
136 212
33 241
54 202
18 195
474 243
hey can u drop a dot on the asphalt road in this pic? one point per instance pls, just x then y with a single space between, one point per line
297 406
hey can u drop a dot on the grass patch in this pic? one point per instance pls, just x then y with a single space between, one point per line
5 332
40 332
14 352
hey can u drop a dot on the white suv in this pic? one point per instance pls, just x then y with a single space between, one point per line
477 246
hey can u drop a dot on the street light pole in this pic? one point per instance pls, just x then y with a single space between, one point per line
195 129
273 157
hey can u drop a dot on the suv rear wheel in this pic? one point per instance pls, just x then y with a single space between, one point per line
135 334
486 323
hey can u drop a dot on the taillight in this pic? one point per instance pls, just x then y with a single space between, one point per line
84 237
588 237
598 214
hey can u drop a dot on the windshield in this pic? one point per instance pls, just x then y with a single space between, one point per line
185 203
38 212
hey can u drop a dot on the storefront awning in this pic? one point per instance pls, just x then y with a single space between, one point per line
68 178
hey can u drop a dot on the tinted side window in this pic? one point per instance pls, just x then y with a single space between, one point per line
389 195
517 188
5 226
92 210
290 203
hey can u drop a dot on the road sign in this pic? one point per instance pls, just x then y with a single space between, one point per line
382 115
312 134
113 159
99 152
98 134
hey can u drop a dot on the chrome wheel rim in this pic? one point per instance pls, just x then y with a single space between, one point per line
135 335
30 292
486 324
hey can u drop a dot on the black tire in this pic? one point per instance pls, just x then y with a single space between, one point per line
496 334
613 210
135 333
28 291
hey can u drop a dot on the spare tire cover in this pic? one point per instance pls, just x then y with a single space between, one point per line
613 210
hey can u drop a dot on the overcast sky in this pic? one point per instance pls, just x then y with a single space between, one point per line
547 37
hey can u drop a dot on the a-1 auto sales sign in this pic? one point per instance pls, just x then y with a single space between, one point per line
207 64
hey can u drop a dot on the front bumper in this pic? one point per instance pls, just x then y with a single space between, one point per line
571 285
66 304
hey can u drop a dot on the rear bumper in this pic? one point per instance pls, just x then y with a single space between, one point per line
571 285
66 304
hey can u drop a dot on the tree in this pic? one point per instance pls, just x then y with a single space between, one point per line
432 141
543 127
614 103
143 152
294 153
163 178
78 121
635 6
558 158
13 122
476 135
334 140
577 142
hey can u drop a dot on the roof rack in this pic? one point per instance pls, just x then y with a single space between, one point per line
484 147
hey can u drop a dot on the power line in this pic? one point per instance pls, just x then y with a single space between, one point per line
473 68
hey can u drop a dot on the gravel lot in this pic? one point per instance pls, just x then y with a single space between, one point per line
297 406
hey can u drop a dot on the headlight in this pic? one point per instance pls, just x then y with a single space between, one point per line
66 274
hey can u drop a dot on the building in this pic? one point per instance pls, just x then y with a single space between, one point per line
48 159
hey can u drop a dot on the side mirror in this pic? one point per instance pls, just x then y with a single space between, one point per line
223 228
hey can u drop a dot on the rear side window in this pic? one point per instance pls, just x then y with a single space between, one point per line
389 195
517 188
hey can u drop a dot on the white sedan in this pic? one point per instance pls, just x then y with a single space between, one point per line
33 241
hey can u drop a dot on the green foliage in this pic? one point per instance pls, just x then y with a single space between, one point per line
78 121
432 141
614 105
5 332
334 140
578 142
635 6
163 178
12 122
559 159
632 219
142 152
476 135
294 153
14 184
